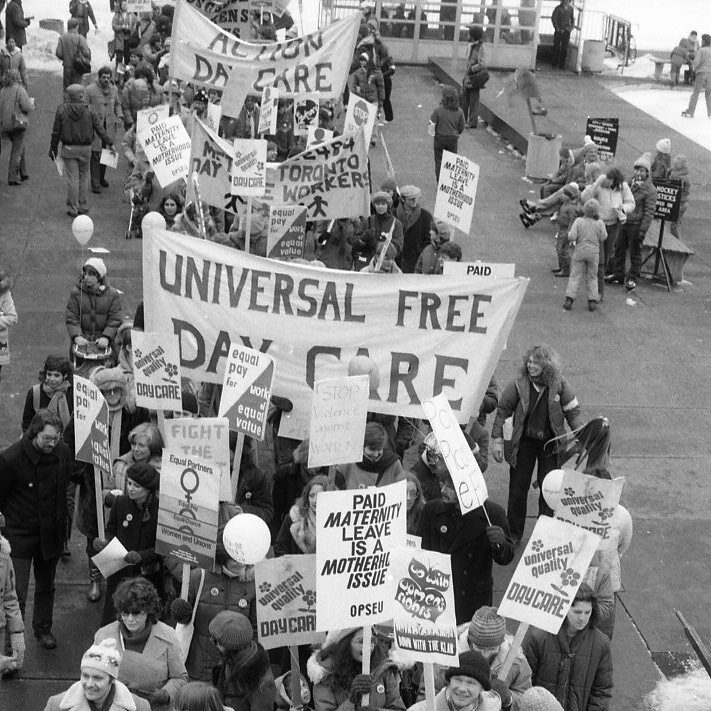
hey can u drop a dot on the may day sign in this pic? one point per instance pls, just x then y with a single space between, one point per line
456 191
423 616
91 425
357 531
156 369
549 574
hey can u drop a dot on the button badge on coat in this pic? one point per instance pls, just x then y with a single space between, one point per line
380 689
443 529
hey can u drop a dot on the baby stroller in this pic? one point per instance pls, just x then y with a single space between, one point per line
140 207
86 358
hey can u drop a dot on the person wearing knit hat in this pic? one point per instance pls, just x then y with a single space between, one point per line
416 222
231 631
661 165
487 628
373 231
390 187
663 145
538 699
381 196
410 191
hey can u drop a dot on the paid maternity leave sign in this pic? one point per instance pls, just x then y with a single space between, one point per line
156 371
549 574
187 509
91 425
456 191
424 621
167 147
246 390
357 531
287 231
286 601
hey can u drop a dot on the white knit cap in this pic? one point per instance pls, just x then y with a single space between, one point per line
104 656
664 145
97 264
538 699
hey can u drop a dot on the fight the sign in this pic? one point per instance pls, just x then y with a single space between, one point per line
287 231
91 425
456 192
156 371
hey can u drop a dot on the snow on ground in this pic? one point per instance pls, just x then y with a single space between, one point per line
690 692
666 105
643 68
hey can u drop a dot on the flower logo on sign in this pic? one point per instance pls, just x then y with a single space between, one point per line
569 491
137 353
309 597
537 546
265 587
171 370
606 513
568 578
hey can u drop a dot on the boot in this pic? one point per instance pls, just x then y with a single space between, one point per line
94 592
568 303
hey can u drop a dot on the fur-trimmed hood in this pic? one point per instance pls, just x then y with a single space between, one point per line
319 669
75 700
5 548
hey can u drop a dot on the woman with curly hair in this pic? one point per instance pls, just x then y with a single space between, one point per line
170 207
298 530
541 402
53 392
152 665
335 671
446 125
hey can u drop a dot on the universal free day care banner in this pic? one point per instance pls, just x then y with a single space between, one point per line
425 334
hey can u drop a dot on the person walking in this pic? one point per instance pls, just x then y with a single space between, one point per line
74 53
446 125
563 20
475 78
8 317
15 23
11 57
34 473
702 70
416 222
83 12
75 125
15 106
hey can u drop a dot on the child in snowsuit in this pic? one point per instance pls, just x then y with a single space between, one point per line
587 233
680 171
568 211
12 628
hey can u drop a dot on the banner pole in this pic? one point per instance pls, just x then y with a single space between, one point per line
296 700
429 686
367 636
513 650
248 225
236 462
98 487
185 581
161 423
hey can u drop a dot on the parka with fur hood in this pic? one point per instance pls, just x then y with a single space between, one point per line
93 312
10 615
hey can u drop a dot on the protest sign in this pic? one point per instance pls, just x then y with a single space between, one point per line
167 147
211 162
317 135
205 439
668 199
286 601
413 541
137 6
456 191
246 390
479 269
295 424
604 132
268 110
360 114
109 158
248 166
305 114
316 63
156 370
424 621
331 179
91 425
187 509
589 502
549 574
338 411
146 118
231 15
214 114
457 454
287 231
357 531
425 335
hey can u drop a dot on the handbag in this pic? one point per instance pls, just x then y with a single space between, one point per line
184 630
20 120
475 78
81 64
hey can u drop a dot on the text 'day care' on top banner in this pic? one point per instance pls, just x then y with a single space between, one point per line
156 371
286 601
423 615
91 425
338 411
589 502
167 147
425 335
549 574
357 531
205 439
246 390
287 231
187 509
456 191
458 456
249 166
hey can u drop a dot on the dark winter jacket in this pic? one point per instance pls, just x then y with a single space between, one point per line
369 84
94 313
374 228
645 200
563 18
257 695
75 124
578 672
15 23
445 530
562 406
126 522
254 492
416 236
33 489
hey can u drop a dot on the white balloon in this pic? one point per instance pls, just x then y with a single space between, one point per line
152 221
82 229
246 538
552 485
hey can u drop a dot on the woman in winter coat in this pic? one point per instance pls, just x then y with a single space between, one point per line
375 229
11 57
380 466
298 530
83 12
429 261
123 23
146 446
541 402
139 93
14 101
335 672
368 82
151 665
575 665
8 317
53 392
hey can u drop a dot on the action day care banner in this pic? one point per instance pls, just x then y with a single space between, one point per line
286 601
167 147
156 371
549 574
316 63
91 425
426 336
424 621
456 191
357 531
187 509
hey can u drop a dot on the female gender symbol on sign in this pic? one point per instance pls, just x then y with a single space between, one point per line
189 488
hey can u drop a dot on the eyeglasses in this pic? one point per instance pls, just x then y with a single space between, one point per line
48 438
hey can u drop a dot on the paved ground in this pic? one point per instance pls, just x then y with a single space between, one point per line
645 367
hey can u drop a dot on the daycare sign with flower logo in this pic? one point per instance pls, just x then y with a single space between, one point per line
286 601
156 370
549 574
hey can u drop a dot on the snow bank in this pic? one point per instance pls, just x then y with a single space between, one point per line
690 692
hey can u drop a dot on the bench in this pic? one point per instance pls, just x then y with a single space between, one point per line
659 63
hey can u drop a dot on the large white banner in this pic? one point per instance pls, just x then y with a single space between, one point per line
230 15
425 335
357 531
317 63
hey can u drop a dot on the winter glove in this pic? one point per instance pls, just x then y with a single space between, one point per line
99 544
181 610
496 535
360 685
158 697
502 689
133 557
17 641
109 498
80 341
497 450
102 342
283 403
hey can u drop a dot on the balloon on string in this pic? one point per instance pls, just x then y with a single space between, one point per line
246 538
362 365
82 229
551 488
152 221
